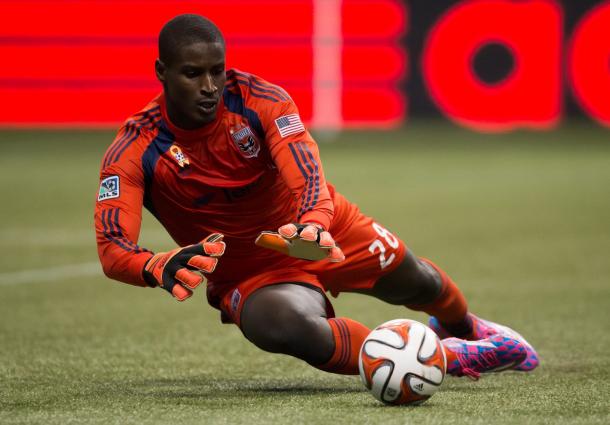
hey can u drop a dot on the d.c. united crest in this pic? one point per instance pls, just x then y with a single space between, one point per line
246 142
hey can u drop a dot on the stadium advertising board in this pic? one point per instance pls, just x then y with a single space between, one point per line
490 65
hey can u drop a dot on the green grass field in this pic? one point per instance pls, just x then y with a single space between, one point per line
521 221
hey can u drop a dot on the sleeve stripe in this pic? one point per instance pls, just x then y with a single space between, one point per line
116 229
296 158
264 94
303 172
146 121
253 94
110 152
261 86
111 235
125 146
314 180
117 144
123 238
277 89
317 173
113 232
148 118
108 235
305 159
310 181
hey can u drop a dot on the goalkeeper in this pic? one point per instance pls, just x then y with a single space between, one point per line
222 160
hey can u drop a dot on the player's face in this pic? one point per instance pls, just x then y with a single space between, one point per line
193 84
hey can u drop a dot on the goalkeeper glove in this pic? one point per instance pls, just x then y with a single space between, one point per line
306 241
171 270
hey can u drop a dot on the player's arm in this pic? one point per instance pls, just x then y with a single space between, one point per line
117 223
296 155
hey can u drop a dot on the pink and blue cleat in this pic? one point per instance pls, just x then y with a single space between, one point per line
483 329
494 354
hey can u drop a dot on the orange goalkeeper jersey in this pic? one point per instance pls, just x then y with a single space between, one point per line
254 168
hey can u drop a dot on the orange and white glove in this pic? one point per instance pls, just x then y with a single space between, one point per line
176 270
307 241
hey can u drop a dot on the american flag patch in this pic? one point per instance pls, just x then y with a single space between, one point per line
289 124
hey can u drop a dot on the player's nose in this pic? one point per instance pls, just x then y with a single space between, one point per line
208 85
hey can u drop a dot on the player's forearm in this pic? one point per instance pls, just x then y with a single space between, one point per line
322 214
124 267
301 169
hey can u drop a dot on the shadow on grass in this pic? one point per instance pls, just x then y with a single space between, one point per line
220 393
214 389
214 393
211 389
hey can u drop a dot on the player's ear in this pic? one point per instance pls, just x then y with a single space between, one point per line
160 70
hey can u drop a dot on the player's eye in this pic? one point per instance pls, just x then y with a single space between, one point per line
218 70
191 73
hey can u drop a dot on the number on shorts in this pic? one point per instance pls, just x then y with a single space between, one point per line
390 239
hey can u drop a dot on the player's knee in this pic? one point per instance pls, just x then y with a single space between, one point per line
289 332
272 331
412 282
289 320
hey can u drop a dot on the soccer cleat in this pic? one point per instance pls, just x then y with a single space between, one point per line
484 329
471 358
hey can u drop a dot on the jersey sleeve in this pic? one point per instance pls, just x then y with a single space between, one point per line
296 155
118 216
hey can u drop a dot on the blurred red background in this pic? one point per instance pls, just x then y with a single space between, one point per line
91 62
491 65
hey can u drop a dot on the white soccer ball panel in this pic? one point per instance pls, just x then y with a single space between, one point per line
417 332
428 347
432 374
388 336
380 377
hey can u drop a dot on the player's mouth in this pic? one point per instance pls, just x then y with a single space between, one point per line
208 106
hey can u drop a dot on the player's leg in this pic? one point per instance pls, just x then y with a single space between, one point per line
292 319
421 285
379 264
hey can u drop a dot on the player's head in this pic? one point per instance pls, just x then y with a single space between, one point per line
191 67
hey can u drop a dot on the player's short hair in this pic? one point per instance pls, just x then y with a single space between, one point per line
183 30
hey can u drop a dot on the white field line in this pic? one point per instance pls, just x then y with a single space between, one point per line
51 274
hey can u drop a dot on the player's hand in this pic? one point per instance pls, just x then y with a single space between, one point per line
306 241
176 270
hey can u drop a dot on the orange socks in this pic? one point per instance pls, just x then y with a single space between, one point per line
449 307
349 336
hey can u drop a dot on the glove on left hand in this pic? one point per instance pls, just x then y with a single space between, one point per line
171 270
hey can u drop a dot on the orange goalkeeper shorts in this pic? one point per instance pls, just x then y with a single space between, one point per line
371 251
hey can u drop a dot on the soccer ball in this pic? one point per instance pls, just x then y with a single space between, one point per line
402 362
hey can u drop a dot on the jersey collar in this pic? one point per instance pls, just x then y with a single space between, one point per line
197 134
